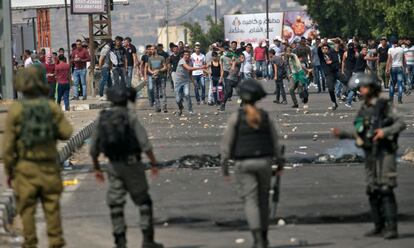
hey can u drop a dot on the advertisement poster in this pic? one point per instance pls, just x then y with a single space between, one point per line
297 24
251 28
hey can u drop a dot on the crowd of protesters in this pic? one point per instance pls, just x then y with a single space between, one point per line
214 74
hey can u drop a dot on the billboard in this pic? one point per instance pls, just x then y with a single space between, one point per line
39 4
297 24
87 6
251 28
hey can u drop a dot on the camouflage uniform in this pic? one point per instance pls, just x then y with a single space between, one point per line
34 171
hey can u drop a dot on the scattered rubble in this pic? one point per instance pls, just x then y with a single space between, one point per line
408 155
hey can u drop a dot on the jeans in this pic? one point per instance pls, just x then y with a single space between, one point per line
52 90
200 83
63 91
79 74
182 90
247 75
228 89
319 78
338 88
280 90
215 83
262 67
160 85
302 91
130 72
119 72
350 97
105 80
150 90
410 76
397 77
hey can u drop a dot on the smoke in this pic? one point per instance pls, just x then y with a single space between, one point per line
343 148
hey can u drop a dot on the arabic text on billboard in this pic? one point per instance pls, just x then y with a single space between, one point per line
88 6
252 28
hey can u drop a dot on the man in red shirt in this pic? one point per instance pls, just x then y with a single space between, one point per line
62 72
50 74
79 57
260 58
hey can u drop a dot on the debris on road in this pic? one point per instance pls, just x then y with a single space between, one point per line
239 241
408 155
281 222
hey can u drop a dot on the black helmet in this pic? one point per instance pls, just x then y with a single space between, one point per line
118 95
362 79
251 91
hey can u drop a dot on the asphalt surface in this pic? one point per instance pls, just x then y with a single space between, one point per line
322 205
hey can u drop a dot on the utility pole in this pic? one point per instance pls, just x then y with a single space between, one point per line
215 11
67 29
6 67
267 19
167 14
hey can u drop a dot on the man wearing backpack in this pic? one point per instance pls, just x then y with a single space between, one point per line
33 126
122 138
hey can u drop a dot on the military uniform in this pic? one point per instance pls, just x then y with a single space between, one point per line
253 151
127 175
381 162
34 171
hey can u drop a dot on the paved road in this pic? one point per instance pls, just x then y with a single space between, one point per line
324 205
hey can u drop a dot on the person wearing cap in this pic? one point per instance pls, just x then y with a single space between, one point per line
377 127
125 172
33 126
252 142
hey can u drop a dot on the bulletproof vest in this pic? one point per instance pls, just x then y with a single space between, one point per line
371 118
250 142
37 125
116 136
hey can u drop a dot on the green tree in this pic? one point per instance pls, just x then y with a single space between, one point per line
363 18
214 32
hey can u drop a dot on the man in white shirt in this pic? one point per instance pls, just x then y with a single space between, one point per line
27 58
395 66
247 67
199 61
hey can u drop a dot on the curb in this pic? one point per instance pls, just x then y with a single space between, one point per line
75 142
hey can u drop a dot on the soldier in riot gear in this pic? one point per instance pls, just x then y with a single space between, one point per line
377 127
251 140
122 138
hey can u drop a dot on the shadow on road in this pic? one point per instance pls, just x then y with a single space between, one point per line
304 245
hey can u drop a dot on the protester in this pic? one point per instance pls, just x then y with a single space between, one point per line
297 78
119 60
395 67
79 57
132 59
198 60
157 67
330 65
182 84
50 73
27 56
279 72
62 72
216 75
382 51
260 58
247 68
105 65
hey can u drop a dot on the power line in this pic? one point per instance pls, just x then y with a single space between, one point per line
188 12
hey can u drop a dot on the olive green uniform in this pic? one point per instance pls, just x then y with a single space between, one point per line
36 174
128 176
253 176
381 162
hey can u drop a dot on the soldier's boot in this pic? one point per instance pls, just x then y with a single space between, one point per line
120 240
148 227
389 205
259 241
377 216
148 236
